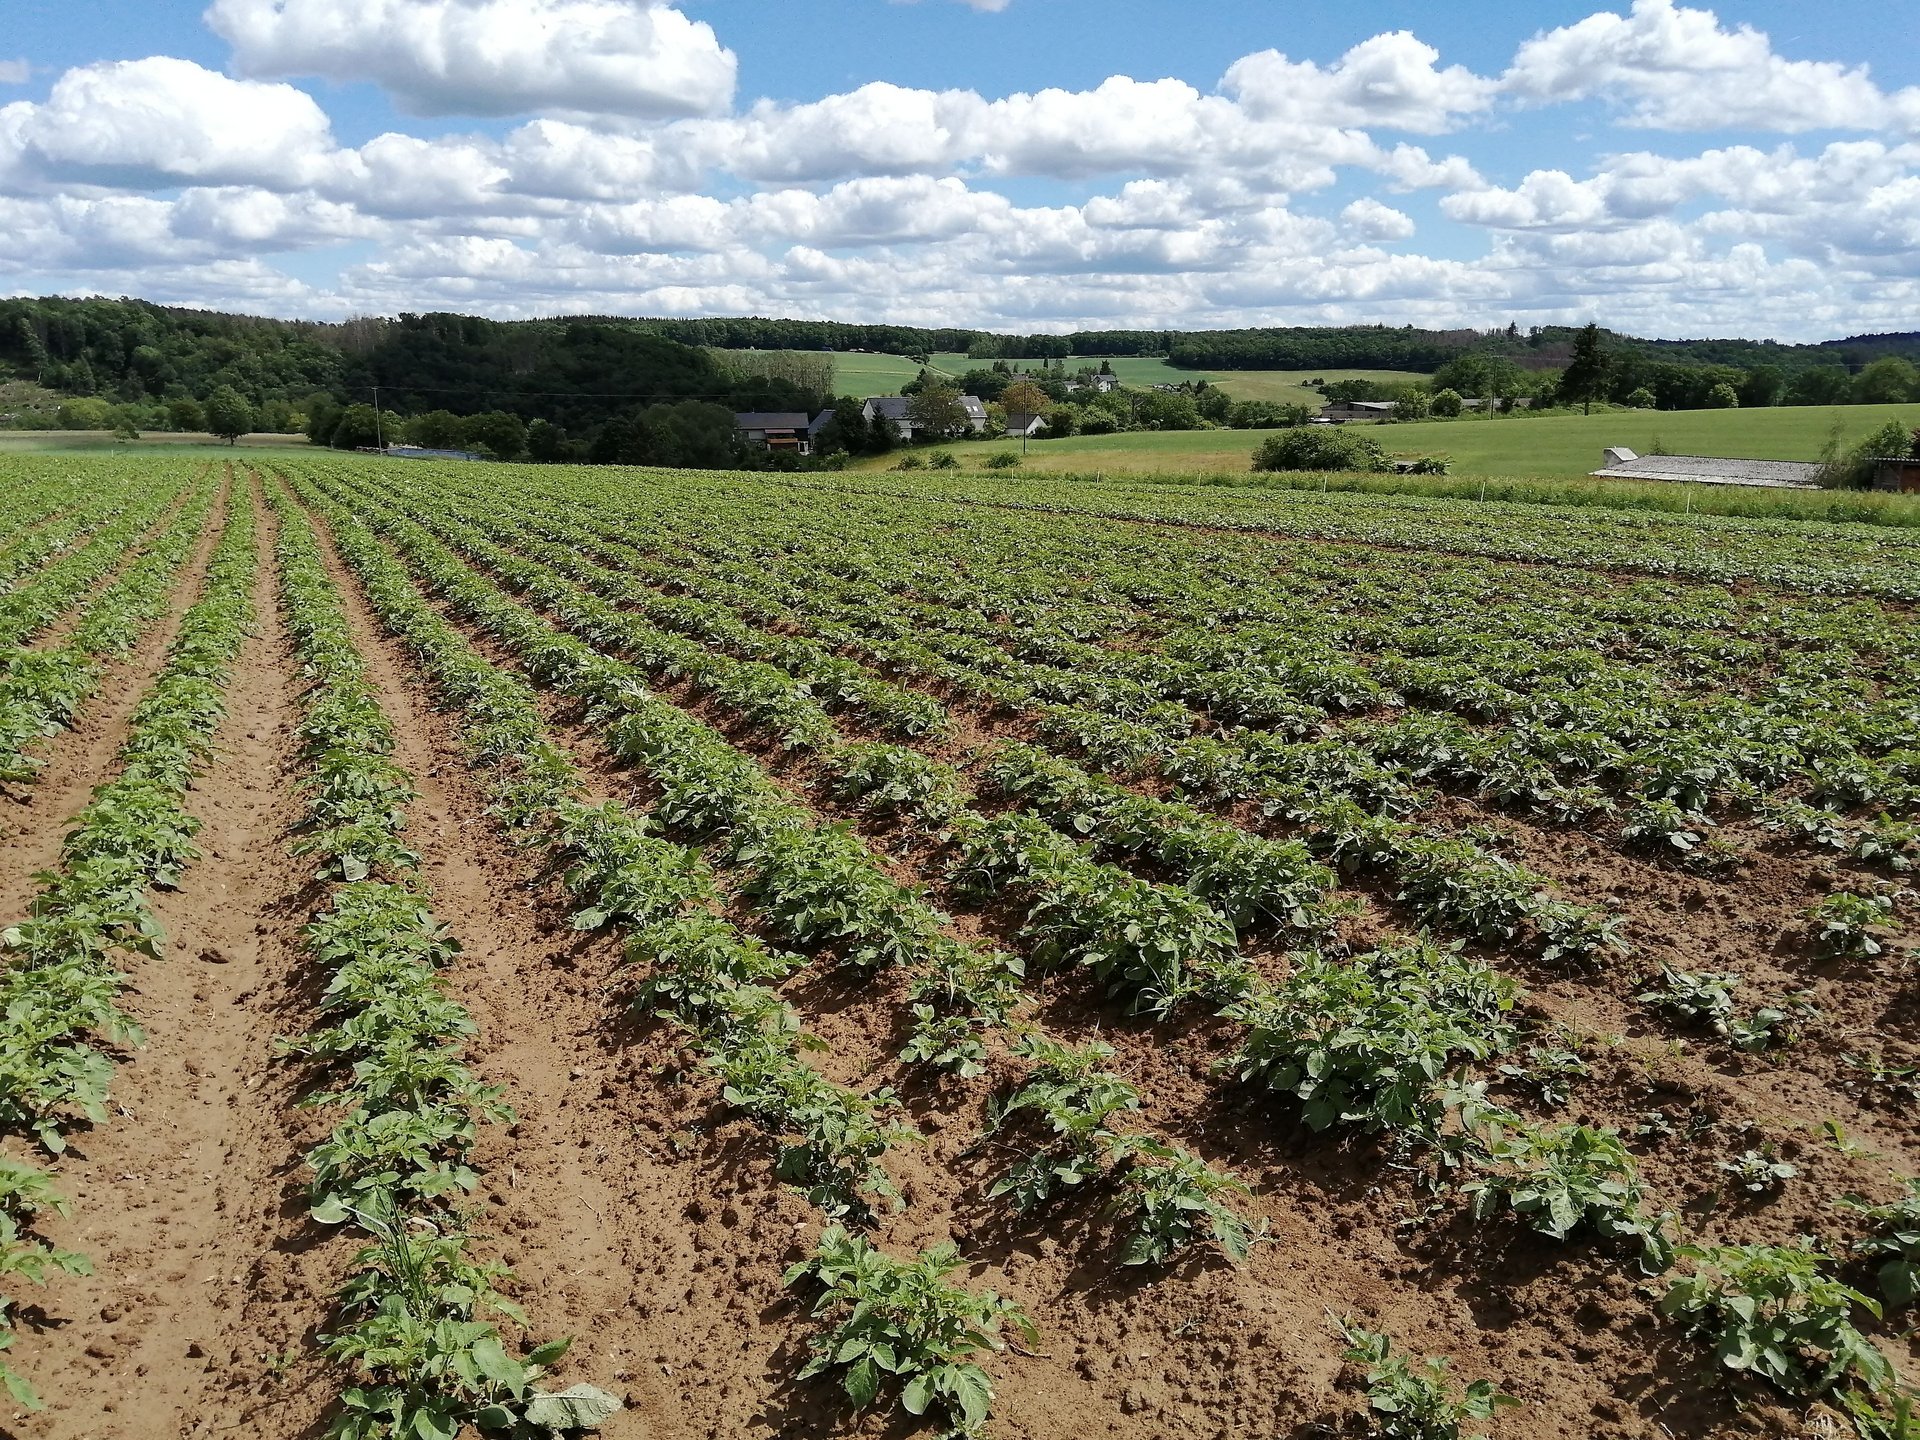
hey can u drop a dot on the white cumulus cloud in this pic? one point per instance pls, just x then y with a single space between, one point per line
1390 81
159 120
490 57
1369 219
1675 68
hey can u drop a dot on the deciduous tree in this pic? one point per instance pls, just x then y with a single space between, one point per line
229 416
936 412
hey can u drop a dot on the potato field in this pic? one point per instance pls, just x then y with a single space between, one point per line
509 951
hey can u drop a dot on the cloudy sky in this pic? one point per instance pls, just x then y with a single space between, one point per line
1753 168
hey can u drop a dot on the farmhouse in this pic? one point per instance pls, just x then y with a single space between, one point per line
776 430
1025 426
1624 464
893 408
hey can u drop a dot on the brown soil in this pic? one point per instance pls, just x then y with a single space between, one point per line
644 1220
186 1201
1208 1350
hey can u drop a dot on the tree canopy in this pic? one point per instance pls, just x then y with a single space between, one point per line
228 414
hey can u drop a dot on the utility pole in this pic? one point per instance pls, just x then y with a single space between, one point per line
379 443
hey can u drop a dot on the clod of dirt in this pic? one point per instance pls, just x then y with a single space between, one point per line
214 955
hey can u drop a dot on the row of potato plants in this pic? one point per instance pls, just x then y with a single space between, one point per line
1546 763
821 885
1252 882
32 606
41 520
1156 956
1560 1185
1444 879
1812 557
889 1323
1348 611
60 1021
419 1315
42 690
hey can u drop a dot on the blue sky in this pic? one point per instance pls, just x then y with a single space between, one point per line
1744 168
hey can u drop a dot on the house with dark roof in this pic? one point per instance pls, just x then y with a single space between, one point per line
787 430
1623 464
894 410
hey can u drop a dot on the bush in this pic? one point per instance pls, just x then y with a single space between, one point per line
1267 415
1447 404
1003 460
941 460
1062 421
1321 447
911 462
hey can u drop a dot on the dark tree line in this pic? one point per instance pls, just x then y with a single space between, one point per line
657 384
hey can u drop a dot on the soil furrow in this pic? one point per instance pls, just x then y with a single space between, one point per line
633 1219
1207 1350
206 1286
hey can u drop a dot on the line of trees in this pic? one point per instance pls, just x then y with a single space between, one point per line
1601 370
577 388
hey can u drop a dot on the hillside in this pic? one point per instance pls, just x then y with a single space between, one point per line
130 349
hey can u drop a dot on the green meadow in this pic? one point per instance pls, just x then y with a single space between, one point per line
1547 446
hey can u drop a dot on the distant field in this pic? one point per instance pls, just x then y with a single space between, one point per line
1281 386
1563 446
864 374
1288 387
17 442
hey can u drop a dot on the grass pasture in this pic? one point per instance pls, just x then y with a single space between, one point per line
40 442
1546 447
864 373
1289 387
